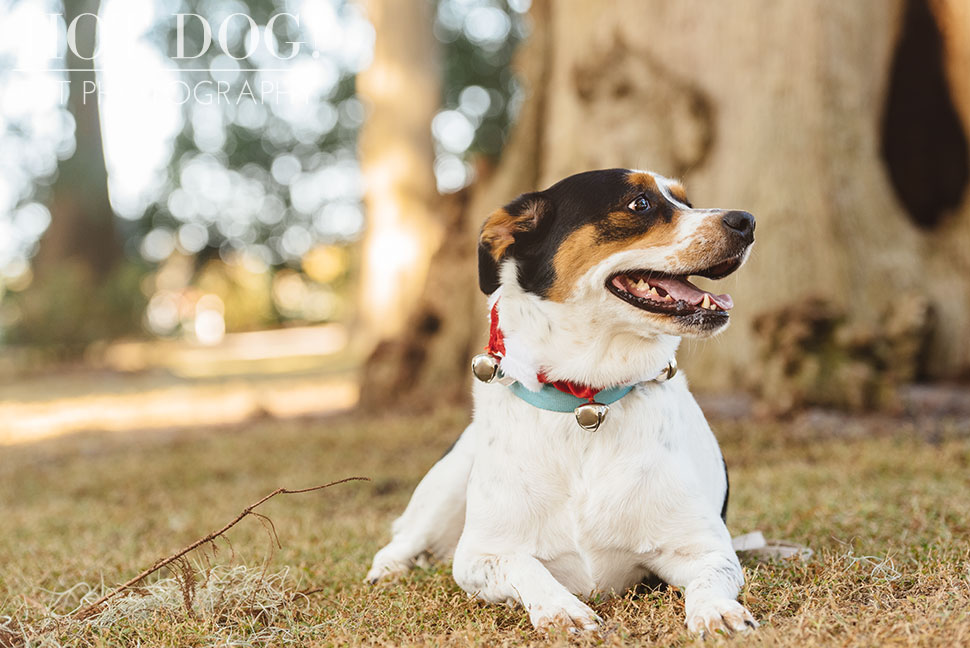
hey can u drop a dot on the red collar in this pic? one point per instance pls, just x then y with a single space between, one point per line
496 347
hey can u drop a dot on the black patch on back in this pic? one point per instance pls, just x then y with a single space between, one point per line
727 491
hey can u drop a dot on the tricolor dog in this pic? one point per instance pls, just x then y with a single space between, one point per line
588 466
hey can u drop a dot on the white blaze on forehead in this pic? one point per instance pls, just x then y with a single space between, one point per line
663 184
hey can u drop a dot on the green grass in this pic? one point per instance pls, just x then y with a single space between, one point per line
888 517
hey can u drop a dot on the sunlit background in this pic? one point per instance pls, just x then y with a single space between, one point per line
226 172
269 207
232 172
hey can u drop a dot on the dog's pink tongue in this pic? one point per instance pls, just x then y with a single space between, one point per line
682 289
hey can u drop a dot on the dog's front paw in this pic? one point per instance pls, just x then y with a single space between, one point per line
388 564
379 573
719 616
568 614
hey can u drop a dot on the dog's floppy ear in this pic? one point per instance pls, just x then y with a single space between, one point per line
499 232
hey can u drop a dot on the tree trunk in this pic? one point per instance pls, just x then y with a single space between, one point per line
769 106
81 292
430 363
777 108
947 248
401 90
82 230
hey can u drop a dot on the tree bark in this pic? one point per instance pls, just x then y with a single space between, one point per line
947 248
768 106
401 90
82 291
82 230
430 363
776 108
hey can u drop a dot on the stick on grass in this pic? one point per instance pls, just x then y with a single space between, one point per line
87 611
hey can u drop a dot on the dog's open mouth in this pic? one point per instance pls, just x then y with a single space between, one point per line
668 294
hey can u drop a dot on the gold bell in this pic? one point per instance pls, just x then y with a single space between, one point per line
591 415
669 371
485 367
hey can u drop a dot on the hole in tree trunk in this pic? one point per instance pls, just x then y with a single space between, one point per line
923 142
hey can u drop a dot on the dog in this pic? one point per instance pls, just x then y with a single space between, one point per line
589 296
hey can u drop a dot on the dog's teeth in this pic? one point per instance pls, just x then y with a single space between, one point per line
653 291
707 302
668 298
641 285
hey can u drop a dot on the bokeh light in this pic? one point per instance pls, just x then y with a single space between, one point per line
245 157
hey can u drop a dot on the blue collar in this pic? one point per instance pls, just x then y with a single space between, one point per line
550 398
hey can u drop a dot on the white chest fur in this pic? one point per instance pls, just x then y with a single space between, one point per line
590 506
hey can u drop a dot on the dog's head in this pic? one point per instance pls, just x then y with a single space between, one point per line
626 241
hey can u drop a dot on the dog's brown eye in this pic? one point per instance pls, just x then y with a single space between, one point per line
639 204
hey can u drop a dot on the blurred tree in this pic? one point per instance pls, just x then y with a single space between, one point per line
948 244
80 292
263 173
268 181
480 93
774 107
466 98
82 228
401 91
429 362
268 136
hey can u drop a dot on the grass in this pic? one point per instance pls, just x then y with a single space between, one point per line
888 516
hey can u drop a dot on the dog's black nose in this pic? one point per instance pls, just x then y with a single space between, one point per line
741 222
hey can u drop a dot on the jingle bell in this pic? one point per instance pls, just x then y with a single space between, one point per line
485 367
591 415
669 371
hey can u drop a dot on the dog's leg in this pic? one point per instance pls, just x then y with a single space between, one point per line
522 578
705 565
433 519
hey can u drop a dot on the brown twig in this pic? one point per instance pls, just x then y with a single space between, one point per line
87 611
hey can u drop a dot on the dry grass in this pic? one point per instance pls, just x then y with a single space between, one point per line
222 605
888 517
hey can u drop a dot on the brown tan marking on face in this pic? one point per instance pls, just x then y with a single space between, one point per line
708 244
677 191
583 249
642 180
623 220
499 229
